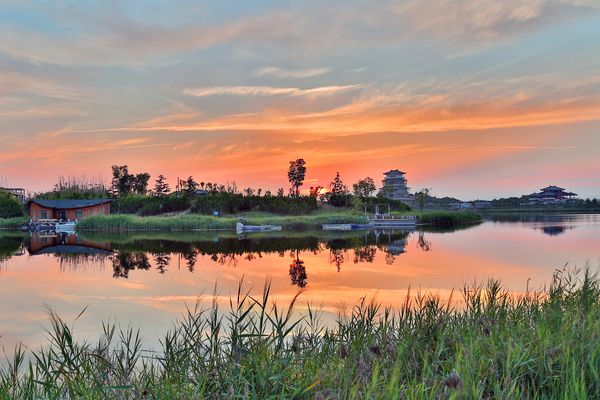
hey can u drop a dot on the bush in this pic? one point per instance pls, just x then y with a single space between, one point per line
9 206
233 203
150 205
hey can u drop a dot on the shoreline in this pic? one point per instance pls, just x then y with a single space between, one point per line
195 222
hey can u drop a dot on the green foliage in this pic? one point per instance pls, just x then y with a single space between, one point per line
421 197
296 174
150 205
448 219
364 187
191 222
9 206
233 203
123 183
161 187
492 344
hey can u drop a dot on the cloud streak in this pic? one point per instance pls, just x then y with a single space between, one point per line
268 91
292 73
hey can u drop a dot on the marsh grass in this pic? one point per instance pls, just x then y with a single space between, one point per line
540 345
12 223
190 222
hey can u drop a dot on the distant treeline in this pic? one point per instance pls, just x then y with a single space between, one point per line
131 195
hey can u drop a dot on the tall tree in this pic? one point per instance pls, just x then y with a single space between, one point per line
364 187
337 195
140 183
161 187
190 185
337 187
296 174
421 197
121 180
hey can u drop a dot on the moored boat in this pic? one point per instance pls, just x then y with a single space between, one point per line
241 228
345 227
65 226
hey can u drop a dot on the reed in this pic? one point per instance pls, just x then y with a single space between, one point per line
540 345
189 222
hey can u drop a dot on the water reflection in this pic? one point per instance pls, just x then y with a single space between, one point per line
548 224
126 253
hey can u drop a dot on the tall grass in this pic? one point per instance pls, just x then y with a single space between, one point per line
188 222
541 345
12 223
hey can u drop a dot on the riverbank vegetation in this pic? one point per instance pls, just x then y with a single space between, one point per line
542 344
190 222
9 206
313 221
12 223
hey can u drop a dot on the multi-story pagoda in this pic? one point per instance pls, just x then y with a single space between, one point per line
394 187
551 195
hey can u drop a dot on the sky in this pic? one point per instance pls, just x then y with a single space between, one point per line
471 98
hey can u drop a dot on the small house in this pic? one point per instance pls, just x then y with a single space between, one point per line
67 210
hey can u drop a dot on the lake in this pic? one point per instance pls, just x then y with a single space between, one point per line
146 280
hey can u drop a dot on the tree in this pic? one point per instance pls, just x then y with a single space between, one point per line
121 180
190 185
161 188
337 187
315 190
139 183
421 197
296 174
249 192
280 192
364 187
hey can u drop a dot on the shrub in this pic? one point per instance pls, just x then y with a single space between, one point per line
9 206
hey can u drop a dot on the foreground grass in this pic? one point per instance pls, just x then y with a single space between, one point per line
543 345
12 223
190 222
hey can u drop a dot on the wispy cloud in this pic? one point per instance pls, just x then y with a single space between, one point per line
268 91
292 73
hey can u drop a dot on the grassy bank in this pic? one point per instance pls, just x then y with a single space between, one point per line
543 345
188 222
12 223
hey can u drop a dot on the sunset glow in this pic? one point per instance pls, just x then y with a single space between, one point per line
473 99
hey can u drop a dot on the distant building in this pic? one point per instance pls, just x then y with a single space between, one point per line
461 205
394 187
482 204
551 195
67 209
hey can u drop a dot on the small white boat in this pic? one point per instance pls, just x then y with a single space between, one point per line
65 226
241 228
345 227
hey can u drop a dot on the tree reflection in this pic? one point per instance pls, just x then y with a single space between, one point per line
162 261
190 258
423 243
336 257
365 254
124 262
298 270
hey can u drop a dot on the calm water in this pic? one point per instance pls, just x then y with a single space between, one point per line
147 280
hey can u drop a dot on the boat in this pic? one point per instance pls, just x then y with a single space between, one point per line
241 228
345 227
381 221
387 220
68 226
